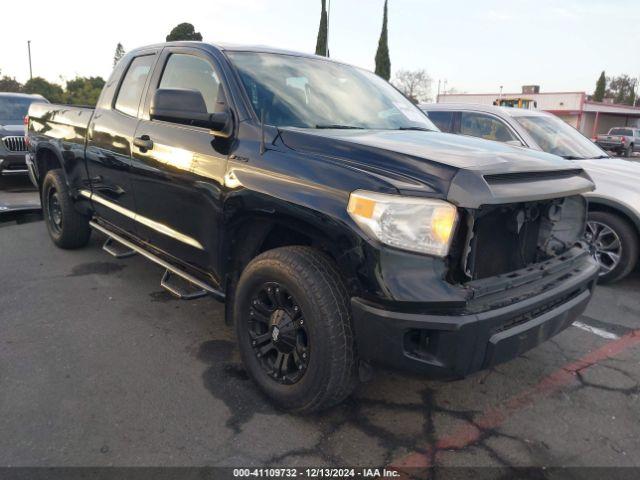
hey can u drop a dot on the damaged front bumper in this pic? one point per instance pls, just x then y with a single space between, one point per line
505 316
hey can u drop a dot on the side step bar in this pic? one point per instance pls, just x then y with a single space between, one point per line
208 289
117 249
181 288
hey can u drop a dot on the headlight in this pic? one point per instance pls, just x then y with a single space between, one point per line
421 225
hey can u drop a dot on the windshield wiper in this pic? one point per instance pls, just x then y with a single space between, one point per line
343 127
419 129
572 157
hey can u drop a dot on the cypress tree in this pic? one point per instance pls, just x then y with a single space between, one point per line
601 86
321 43
118 54
383 63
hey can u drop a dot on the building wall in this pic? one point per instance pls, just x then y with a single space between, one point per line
588 119
546 101
606 122
571 119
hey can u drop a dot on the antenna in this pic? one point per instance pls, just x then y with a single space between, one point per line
262 145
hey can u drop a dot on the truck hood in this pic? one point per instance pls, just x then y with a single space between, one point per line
467 171
11 130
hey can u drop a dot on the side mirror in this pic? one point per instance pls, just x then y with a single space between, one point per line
187 107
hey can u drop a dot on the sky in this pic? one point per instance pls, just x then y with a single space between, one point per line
476 46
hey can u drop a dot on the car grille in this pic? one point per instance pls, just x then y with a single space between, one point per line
15 144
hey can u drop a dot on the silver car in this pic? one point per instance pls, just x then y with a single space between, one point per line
613 227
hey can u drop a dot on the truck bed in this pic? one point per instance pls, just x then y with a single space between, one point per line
65 122
62 130
608 141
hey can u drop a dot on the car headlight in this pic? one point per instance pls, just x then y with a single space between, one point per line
423 225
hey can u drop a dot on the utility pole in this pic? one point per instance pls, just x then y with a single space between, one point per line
438 97
328 17
30 69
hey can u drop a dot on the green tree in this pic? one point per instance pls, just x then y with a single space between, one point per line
51 91
10 84
321 44
601 88
622 89
118 54
83 90
184 31
383 62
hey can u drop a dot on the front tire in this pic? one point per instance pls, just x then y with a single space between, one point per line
293 325
614 244
67 227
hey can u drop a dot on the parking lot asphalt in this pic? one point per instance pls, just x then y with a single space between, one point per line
99 366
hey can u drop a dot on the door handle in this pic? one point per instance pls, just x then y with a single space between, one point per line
144 143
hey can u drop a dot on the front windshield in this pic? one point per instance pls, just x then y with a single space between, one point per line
13 109
555 136
293 91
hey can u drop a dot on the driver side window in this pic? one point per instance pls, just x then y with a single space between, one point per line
193 73
485 126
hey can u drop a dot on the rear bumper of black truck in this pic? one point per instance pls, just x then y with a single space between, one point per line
521 316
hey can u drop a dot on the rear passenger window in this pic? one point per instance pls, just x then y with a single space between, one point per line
484 126
132 85
443 120
192 73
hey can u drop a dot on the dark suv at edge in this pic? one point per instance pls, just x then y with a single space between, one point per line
13 108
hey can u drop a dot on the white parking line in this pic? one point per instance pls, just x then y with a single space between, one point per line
596 331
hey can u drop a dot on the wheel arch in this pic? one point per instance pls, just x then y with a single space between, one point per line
253 233
599 204
48 159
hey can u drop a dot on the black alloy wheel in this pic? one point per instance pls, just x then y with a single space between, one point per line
278 334
291 311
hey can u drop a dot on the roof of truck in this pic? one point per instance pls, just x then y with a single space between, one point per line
231 47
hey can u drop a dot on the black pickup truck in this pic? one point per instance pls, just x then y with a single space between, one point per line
342 229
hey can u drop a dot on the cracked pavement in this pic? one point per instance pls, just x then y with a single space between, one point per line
100 366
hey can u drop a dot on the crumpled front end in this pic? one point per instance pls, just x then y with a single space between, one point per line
518 272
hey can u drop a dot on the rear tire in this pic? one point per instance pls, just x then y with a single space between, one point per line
629 243
67 227
293 325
